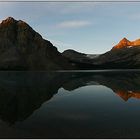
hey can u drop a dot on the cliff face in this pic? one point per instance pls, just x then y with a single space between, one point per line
21 48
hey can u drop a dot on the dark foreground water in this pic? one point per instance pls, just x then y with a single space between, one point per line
100 104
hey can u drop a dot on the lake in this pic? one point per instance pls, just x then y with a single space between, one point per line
73 104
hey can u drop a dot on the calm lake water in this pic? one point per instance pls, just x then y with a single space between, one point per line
84 104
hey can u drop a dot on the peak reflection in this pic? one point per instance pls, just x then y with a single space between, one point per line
125 95
21 93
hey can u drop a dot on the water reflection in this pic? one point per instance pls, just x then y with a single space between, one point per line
21 93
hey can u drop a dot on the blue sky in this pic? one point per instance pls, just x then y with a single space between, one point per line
88 27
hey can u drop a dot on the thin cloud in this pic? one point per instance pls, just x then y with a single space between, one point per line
73 24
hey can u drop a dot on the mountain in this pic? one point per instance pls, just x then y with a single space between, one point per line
125 43
136 42
72 54
22 48
125 58
125 55
80 60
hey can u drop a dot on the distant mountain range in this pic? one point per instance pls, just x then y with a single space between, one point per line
22 48
125 55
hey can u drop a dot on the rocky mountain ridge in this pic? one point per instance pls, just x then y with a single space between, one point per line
22 48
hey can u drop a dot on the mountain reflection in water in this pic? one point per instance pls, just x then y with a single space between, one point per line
21 93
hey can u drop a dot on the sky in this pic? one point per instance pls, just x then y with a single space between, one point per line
87 27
